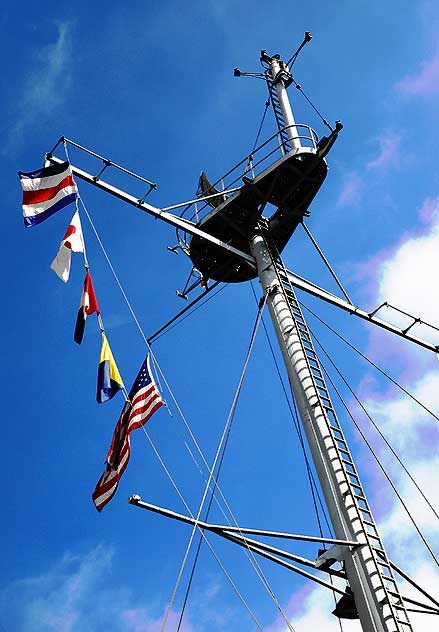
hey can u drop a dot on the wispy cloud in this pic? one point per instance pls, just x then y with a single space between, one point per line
406 275
78 594
409 278
424 83
46 85
388 144
310 609
429 211
354 183
352 189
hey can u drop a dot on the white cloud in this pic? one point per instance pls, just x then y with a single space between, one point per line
407 277
310 608
404 420
352 189
388 145
424 83
78 594
47 83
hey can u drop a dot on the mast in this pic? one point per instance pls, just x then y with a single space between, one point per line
281 79
377 599
233 242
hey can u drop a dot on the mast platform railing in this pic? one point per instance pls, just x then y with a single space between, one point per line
251 166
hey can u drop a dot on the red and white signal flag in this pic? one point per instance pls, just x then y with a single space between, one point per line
73 240
87 306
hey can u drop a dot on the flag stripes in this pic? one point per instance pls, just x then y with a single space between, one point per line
146 403
46 191
143 401
43 195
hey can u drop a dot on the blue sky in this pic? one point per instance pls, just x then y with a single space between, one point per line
151 86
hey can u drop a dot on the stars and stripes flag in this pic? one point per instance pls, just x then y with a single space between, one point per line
87 306
73 240
144 399
46 191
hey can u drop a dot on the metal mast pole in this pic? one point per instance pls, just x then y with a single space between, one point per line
376 594
368 570
281 74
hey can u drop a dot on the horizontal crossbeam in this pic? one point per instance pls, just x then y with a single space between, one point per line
234 534
291 567
192 229
138 502
315 290
158 213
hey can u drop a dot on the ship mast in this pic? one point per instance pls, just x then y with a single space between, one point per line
379 605
234 242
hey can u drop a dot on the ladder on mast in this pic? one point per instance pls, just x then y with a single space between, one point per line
369 572
364 528
285 144
377 598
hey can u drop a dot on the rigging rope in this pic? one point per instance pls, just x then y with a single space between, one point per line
325 261
220 456
375 456
324 121
307 38
177 406
235 588
262 577
384 438
267 103
254 561
295 418
179 319
249 553
378 368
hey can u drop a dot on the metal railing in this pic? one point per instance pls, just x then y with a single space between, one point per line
252 165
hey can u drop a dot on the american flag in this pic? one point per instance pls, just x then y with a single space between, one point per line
144 399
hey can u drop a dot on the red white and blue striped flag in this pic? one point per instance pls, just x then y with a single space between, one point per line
144 400
46 191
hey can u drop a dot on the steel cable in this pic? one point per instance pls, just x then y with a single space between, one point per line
375 456
168 387
378 368
220 454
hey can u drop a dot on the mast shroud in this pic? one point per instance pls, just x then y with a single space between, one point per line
370 578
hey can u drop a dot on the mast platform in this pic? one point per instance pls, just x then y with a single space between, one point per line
289 184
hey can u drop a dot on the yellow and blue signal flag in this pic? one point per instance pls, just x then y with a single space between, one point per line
109 380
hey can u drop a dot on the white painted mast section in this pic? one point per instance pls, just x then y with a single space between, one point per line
278 73
361 567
